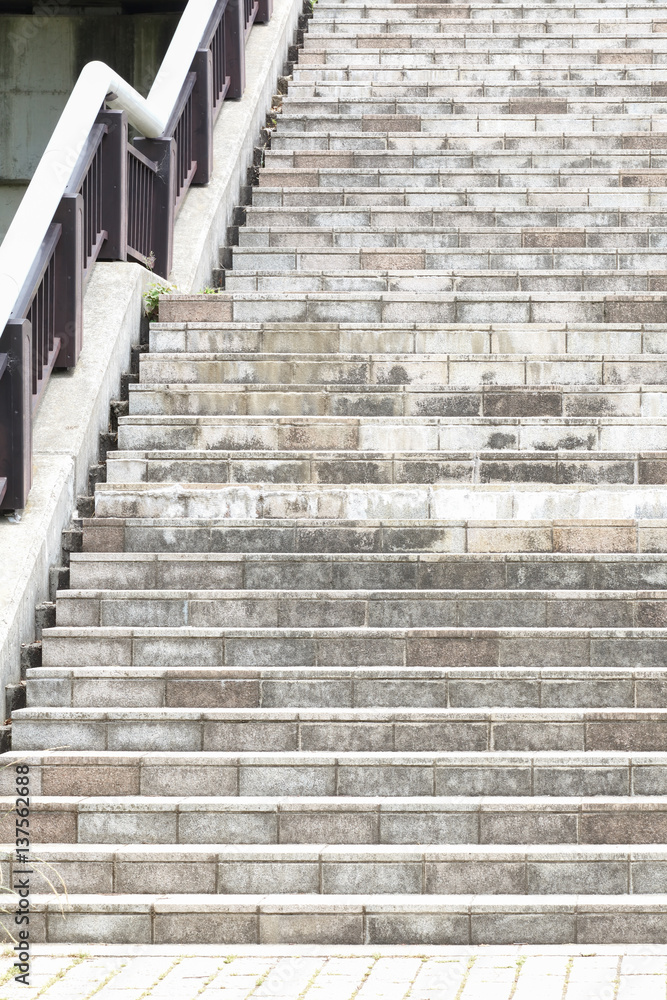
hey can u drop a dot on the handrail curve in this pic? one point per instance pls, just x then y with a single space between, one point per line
96 81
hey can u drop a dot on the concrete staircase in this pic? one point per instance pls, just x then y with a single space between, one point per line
368 639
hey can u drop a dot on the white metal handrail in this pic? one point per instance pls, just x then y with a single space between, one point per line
97 82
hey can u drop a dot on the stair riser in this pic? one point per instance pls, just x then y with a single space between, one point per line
366 776
282 920
464 232
476 62
454 372
603 648
379 502
432 307
572 692
213 825
294 536
208 874
623 469
188 735
224 609
444 340
429 435
474 141
401 401
326 167
484 283
366 266
308 572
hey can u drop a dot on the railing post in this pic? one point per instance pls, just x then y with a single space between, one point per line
68 324
16 415
114 185
163 153
202 116
235 47
264 11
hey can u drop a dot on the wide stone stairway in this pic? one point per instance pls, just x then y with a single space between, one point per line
368 638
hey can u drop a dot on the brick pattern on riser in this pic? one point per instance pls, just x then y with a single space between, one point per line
391 537
224 687
279 467
247 820
361 609
348 571
545 870
335 920
139 773
370 616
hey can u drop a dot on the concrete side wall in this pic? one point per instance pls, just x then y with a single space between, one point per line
76 404
40 60
10 199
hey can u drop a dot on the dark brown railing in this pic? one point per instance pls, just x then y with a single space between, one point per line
120 202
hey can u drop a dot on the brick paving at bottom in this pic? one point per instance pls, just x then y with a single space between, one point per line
282 973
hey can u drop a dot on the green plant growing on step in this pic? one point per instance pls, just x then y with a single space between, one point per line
209 291
152 297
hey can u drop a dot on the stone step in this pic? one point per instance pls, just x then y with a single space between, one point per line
550 208
413 870
343 920
351 646
466 538
404 52
328 66
286 819
481 502
485 231
455 65
430 775
428 307
520 138
324 687
536 48
450 19
384 370
335 400
458 20
323 164
386 266
456 280
344 9
390 180
647 468
407 730
384 121
421 434
129 570
357 608
497 11
314 339
425 95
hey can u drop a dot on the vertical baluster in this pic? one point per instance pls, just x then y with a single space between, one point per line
16 414
235 47
69 280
